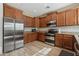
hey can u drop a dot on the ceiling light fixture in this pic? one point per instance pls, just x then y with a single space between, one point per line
47 6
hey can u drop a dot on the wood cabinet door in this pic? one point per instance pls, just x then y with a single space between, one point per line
60 19
68 42
41 36
8 11
49 17
18 15
36 22
52 16
29 21
34 36
29 37
26 38
78 15
24 18
59 40
71 17
43 22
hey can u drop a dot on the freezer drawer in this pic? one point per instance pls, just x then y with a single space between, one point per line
19 42
8 44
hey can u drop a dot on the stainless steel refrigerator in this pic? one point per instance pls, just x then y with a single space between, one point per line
12 34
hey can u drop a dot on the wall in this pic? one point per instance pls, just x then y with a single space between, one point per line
69 29
44 29
27 29
1 22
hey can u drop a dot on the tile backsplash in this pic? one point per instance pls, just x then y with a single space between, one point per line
39 29
43 29
72 29
27 29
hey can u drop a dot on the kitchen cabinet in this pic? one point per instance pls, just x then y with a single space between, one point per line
8 11
68 42
34 36
60 19
51 16
29 37
24 18
41 36
29 21
18 15
12 12
36 22
78 15
43 22
71 17
59 40
64 41
54 16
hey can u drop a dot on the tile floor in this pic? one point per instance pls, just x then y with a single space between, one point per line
33 49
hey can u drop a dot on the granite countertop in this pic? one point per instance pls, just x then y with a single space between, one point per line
29 32
69 33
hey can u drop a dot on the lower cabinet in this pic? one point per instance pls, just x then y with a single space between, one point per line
33 36
68 42
41 36
58 40
65 41
30 36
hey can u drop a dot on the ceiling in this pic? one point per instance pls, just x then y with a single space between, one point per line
37 9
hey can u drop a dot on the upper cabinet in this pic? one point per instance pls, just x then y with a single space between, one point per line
8 11
24 18
36 22
54 16
67 18
78 15
12 12
18 14
29 22
43 22
60 19
71 17
51 16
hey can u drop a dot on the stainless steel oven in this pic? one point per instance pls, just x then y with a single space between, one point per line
51 33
